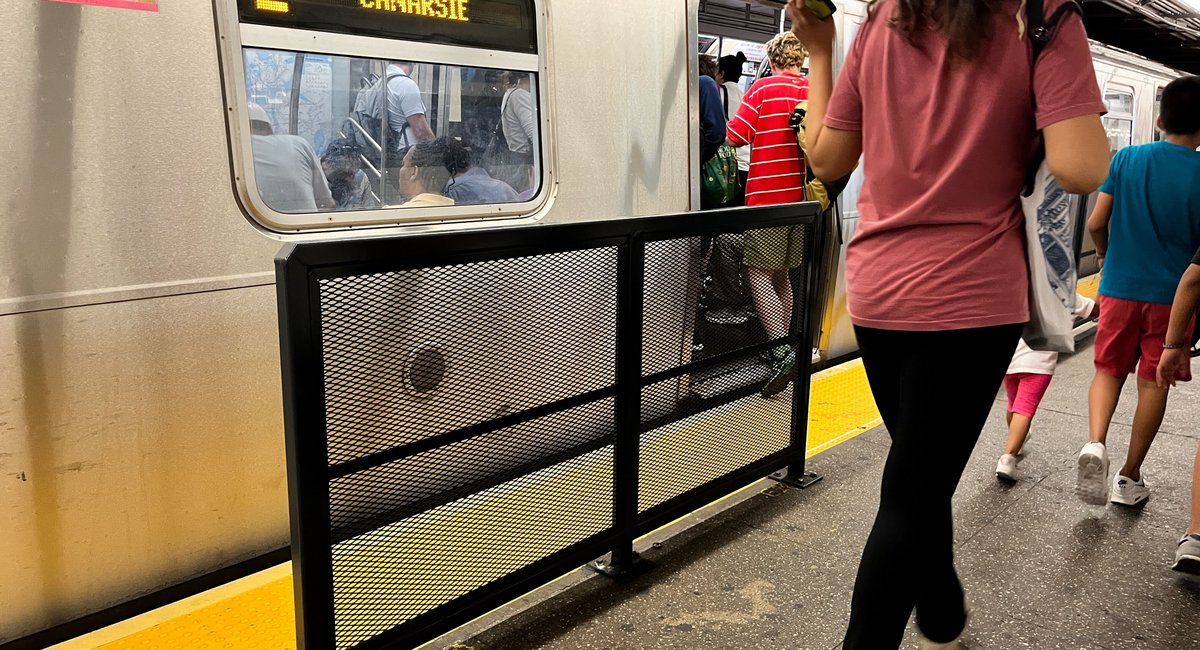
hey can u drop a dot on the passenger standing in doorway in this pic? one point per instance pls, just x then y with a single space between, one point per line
729 74
406 109
940 197
1146 225
776 176
520 129
712 115
286 170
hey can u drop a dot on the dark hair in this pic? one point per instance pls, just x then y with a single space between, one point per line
1181 106
730 66
967 24
458 157
708 66
430 160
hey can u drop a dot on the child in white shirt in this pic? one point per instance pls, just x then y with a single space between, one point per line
1026 382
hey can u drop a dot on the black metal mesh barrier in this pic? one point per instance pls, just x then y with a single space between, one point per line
472 414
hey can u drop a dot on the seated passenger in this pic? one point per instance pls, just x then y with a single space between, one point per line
348 183
471 184
424 173
286 169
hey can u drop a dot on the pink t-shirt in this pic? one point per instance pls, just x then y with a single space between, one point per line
940 241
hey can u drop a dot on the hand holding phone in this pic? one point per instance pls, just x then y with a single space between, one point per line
814 31
823 9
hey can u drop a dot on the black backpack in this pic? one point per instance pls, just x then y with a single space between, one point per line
371 115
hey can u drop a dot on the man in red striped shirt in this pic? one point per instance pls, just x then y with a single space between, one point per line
776 176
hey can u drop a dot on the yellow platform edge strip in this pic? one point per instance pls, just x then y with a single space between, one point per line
257 611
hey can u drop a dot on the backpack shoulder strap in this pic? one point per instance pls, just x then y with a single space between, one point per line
1041 28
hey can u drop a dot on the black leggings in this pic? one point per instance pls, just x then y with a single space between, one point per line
934 391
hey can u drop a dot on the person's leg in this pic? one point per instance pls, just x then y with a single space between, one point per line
767 303
1152 400
1194 528
1151 407
1103 397
1031 388
1117 349
1018 431
783 288
934 424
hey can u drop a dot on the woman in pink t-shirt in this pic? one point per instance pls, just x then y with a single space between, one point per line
938 98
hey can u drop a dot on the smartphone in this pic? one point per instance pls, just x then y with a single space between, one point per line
822 8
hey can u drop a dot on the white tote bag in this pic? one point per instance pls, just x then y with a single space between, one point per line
1053 275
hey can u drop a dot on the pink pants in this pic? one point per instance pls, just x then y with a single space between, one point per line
1025 391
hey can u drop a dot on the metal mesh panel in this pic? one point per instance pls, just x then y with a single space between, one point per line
413 354
690 452
671 289
400 571
365 500
748 293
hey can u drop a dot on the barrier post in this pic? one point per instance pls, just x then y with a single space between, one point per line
307 454
806 321
623 562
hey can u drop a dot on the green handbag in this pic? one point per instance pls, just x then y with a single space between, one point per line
718 183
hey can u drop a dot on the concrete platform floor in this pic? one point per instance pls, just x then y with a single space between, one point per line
1042 569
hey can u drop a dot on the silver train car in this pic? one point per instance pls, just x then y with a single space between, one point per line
141 435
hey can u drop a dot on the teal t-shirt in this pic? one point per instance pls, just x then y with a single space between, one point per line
1155 227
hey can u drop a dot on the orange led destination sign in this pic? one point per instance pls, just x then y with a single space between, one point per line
446 9
506 25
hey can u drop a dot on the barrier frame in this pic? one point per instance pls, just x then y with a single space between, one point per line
301 266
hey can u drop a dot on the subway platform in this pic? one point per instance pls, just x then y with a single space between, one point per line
772 566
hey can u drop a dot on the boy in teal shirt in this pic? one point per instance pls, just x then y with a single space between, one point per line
1146 226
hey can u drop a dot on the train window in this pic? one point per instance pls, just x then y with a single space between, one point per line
1158 135
331 128
1118 123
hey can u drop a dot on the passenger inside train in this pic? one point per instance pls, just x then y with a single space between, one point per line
424 174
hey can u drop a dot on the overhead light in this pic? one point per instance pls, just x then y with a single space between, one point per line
1194 4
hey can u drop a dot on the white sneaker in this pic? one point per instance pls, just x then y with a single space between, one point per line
1187 557
1091 484
1127 492
1006 469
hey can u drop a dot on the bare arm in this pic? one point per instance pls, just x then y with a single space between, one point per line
1187 298
1098 223
420 128
832 153
1077 153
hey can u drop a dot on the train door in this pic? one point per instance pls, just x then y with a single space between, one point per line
837 332
1119 123
724 313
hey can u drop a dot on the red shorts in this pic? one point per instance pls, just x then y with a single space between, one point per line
1025 391
1130 331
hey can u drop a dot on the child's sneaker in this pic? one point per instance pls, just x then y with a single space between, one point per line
1091 483
1187 557
1128 492
1006 469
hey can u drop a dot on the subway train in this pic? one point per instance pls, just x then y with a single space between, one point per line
141 433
